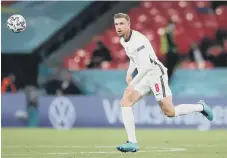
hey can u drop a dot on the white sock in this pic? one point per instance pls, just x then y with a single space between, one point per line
183 109
129 123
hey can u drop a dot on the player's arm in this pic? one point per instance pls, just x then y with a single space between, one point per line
145 64
131 67
139 77
130 72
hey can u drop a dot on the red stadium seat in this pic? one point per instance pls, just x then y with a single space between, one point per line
183 42
202 4
194 65
138 26
171 12
188 65
108 65
72 65
221 14
209 23
153 12
119 56
150 18
147 4
123 65
196 34
105 65
215 50
90 47
208 65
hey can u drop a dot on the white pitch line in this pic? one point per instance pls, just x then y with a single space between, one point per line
96 152
203 145
99 146
166 149
56 146
84 152
45 146
103 146
62 146
15 154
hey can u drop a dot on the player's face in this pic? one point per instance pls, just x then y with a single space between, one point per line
122 26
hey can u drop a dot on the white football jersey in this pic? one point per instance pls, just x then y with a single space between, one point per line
142 56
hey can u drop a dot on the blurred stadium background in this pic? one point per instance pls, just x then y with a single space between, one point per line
70 49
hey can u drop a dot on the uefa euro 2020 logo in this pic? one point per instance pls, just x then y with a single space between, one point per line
62 114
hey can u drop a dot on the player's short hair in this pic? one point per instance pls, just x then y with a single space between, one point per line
121 15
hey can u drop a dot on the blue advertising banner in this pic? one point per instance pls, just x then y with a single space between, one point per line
92 111
209 83
13 105
185 83
106 112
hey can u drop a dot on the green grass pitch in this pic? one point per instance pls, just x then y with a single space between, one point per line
100 143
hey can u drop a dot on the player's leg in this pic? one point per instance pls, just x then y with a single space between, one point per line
127 102
164 98
169 110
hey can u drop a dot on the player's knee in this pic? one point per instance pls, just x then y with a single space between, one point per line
167 107
169 112
126 102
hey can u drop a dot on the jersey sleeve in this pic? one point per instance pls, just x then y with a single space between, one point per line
131 67
143 59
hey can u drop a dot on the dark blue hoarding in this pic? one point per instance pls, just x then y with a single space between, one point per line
91 111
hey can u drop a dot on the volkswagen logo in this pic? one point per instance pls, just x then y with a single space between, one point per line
62 113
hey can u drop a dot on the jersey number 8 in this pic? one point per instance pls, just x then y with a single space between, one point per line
156 87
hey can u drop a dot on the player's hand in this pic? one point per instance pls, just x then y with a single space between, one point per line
129 89
128 79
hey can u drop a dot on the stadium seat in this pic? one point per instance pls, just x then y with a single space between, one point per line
147 4
108 65
221 14
202 4
194 65
188 65
151 17
215 50
209 23
90 47
208 65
